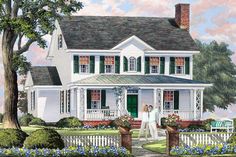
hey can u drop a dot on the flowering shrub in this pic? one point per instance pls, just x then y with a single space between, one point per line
123 121
67 152
171 120
98 127
204 150
191 130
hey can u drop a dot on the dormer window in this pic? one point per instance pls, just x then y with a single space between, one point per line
179 65
84 64
132 64
154 65
60 41
109 64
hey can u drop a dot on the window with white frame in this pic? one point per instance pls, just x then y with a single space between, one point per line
132 64
95 99
60 41
168 100
109 64
154 65
62 102
68 101
179 65
32 100
84 64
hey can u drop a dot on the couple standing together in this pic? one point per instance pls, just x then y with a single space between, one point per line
149 119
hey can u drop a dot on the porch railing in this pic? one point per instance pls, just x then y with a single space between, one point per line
101 114
184 115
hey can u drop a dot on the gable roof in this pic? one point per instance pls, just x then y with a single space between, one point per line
45 75
105 79
105 32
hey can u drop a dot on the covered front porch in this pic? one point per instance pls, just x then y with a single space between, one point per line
108 101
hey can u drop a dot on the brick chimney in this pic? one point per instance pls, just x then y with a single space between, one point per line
182 16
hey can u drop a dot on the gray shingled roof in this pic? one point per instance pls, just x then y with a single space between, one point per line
135 79
45 75
105 32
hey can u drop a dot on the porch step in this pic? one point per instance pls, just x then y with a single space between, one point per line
136 124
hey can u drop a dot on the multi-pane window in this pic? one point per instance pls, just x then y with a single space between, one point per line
95 99
154 64
84 64
132 64
32 99
61 101
109 64
60 41
68 101
168 100
179 65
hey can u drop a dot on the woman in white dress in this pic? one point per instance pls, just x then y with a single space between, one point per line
144 129
152 121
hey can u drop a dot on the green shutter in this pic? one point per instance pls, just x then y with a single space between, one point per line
139 64
176 100
172 65
117 64
103 98
76 64
92 64
186 65
162 65
147 65
102 58
125 60
88 99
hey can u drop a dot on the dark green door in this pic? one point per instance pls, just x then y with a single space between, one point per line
132 105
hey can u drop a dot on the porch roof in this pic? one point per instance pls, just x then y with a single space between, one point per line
105 79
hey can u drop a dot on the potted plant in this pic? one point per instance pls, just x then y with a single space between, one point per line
123 123
172 122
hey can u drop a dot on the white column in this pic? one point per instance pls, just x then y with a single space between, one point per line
194 104
140 105
85 103
154 97
72 103
201 103
162 105
78 112
125 105
119 105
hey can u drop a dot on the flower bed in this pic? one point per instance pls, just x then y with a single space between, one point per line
204 150
191 130
71 152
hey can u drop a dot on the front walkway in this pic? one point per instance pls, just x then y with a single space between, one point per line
139 151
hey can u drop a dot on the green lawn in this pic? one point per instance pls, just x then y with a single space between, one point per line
158 146
74 132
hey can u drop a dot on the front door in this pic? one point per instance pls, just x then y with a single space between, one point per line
132 105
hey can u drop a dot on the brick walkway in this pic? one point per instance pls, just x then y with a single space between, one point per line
138 151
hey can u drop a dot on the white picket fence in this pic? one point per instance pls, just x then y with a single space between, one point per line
205 138
92 140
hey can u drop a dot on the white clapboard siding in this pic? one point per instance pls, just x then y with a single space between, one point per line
92 140
195 138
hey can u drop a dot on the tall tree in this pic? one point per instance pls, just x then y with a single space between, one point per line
215 66
28 20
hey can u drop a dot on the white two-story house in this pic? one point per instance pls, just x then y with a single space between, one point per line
106 66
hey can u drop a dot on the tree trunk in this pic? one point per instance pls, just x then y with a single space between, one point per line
10 86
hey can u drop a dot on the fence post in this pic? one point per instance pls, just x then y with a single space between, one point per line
172 139
126 140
